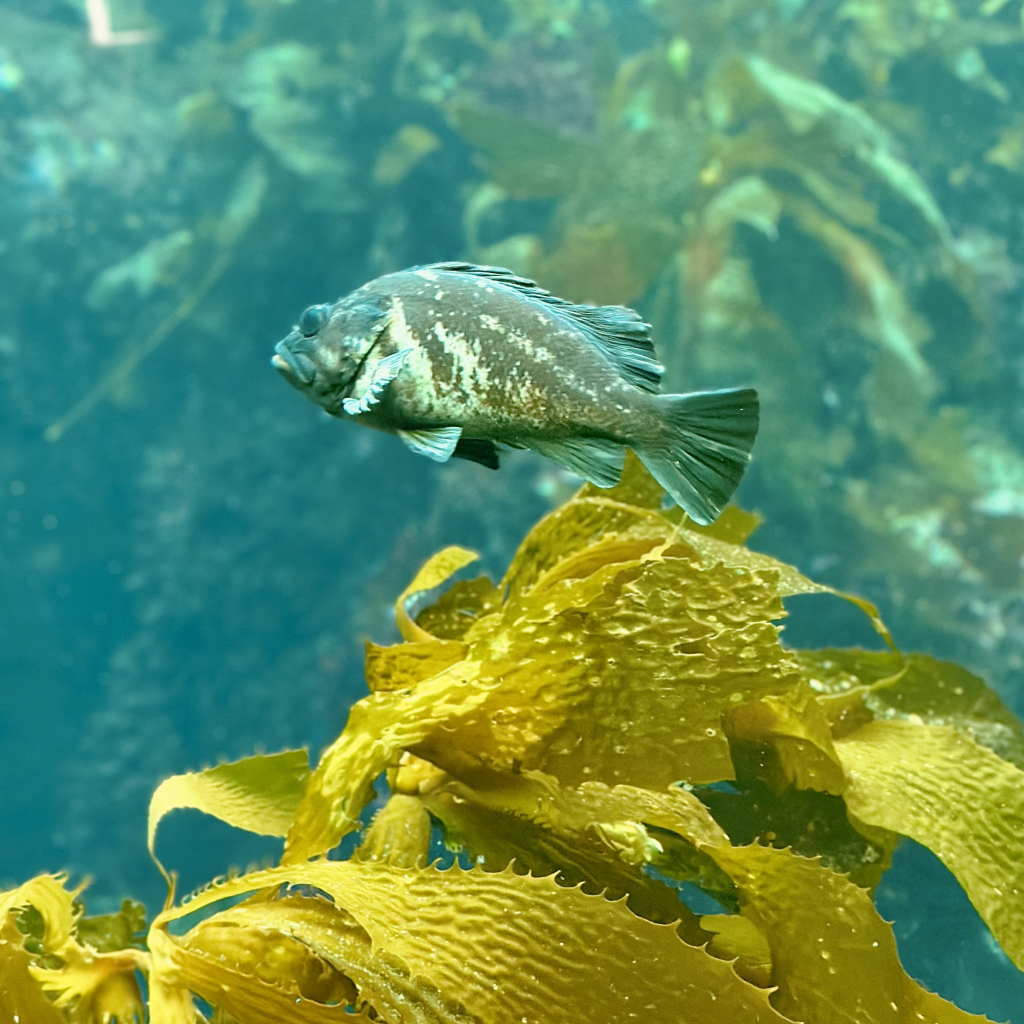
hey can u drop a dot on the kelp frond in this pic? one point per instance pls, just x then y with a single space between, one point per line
563 729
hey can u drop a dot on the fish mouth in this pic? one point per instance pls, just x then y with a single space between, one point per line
296 368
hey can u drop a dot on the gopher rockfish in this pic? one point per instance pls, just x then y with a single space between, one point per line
458 360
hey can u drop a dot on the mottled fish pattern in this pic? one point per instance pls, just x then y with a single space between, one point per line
458 359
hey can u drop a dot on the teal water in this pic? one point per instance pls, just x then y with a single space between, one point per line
819 199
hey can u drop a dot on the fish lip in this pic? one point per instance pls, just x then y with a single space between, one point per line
295 367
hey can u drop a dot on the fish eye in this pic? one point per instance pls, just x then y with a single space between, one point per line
313 319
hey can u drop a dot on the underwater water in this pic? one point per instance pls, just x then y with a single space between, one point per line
820 199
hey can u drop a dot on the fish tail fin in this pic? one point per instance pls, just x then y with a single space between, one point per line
703 448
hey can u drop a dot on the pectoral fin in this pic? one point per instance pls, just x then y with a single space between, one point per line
438 444
383 374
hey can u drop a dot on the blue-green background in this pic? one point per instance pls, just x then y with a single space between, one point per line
189 571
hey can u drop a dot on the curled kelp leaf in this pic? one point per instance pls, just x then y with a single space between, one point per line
954 796
378 729
796 729
437 569
399 833
260 794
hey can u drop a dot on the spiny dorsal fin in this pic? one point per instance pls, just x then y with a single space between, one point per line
618 332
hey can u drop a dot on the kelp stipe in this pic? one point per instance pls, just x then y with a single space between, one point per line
563 729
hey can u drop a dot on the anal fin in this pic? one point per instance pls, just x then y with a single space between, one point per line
594 458
438 444
477 449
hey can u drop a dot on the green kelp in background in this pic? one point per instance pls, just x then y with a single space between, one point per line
816 196
588 735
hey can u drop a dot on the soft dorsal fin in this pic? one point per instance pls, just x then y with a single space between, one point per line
617 332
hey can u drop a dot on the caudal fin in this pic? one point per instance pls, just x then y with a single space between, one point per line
703 449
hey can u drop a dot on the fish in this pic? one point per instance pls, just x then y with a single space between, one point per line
463 361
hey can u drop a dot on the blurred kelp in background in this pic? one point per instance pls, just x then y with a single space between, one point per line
819 198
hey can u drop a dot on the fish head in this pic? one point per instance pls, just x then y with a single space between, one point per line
325 352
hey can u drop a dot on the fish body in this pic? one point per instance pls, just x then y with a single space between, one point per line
456 359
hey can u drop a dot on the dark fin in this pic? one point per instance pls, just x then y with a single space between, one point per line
705 448
438 444
617 332
476 449
593 458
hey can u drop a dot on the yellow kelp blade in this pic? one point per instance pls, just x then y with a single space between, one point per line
96 987
959 799
737 938
260 794
503 948
834 958
402 666
855 686
54 903
661 650
21 995
612 659
796 728
573 527
245 962
599 836
437 569
378 729
399 834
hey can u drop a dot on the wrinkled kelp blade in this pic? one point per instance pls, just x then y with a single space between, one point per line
669 647
404 665
834 958
957 798
511 948
603 837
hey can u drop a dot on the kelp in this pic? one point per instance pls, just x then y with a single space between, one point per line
612 726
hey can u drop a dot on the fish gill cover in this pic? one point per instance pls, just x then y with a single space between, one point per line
568 731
